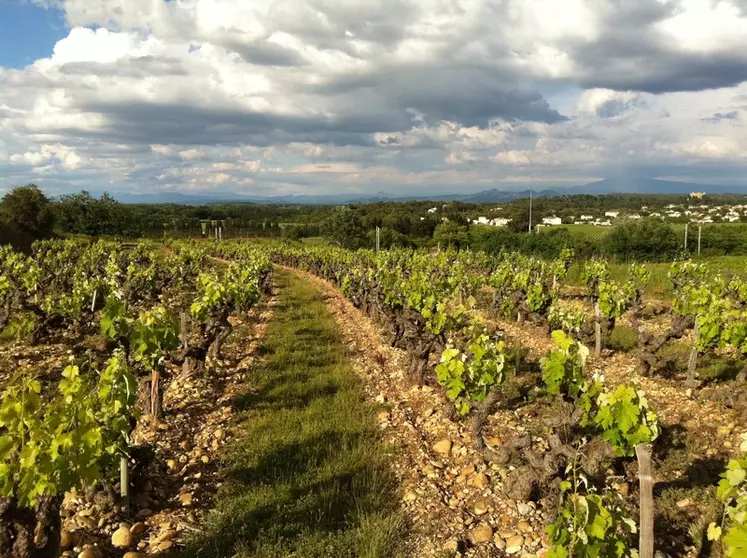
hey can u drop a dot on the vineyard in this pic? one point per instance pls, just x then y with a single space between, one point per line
528 415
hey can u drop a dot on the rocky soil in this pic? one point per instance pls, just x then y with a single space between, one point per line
172 494
453 498
456 500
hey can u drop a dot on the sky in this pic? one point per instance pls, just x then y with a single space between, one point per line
275 97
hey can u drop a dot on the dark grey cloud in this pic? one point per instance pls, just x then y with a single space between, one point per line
162 123
618 107
661 71
632 54
265 53
470 95
719 116
139 68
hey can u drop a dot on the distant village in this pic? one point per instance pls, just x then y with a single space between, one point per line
692 212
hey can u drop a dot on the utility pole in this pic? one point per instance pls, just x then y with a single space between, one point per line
686 224
530 211
378 239
700 229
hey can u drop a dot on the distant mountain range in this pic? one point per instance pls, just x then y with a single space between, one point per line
606 186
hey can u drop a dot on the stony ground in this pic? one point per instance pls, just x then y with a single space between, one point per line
172 496
454 498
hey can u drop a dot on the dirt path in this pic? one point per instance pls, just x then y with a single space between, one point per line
307 475
452 497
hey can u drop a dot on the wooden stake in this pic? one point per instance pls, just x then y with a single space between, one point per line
646 488
598 329
124 484
692 361
155 410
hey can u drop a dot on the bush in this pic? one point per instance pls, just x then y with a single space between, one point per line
451 235
623 339
642 240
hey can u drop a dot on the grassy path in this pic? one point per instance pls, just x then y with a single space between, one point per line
308 476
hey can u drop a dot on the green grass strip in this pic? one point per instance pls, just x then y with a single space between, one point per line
308 475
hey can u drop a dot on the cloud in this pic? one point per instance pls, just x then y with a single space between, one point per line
719 116
321 96
607 103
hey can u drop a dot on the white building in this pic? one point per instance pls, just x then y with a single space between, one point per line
587 217
481 221
552 221
634 216
500 222
432 210
612 214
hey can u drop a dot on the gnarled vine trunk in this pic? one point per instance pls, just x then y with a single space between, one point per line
597 330
30 533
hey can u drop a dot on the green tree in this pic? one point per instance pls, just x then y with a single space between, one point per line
344 226
452 235
642 240
82 213
26 210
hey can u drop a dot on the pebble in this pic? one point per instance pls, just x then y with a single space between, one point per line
133 555
481 480
90 552
66 540
482 533
383 416
684 503
185 499
164 546
499 543
480 508
523 526
514 544
442 447
468 470
138 529
162 537
122 538
410 496
524 509
86 523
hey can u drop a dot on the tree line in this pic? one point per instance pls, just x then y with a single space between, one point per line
26 214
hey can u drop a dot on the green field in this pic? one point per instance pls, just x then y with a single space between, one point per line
659 284
590 230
